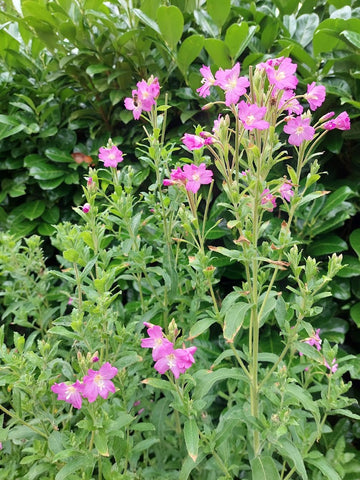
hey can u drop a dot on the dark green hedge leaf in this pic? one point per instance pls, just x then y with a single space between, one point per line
219 52
218 11
171 24
189 51
326 244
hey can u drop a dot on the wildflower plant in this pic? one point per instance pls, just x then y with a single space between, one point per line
196 379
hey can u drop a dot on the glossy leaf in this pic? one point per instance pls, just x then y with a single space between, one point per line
189 51
237 38
219 52
326 245
171 24
355 313
35 209
218 11
355 241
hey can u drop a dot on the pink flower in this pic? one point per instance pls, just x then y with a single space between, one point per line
86 208
98 382
144 97
196 176
252 116
1 446
233 85
283 76
193 142
95 359
333 367
70 393
267 198
286 191
110 156
329 125
70 301
299 130
342 121
156 341
177 176
326 117
315 340
207 81
289 103
134 104
315 95
178 361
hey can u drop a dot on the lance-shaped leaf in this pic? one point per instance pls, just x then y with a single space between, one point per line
191 435
264 468
234 318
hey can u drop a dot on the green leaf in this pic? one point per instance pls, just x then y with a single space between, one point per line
171 24
191 435
234 318
219 52
122 419
158 383
57 155
264 468
299 395
326 244
218 11
101 442
146 20
288 450
355 241
305 28
98 68
144 445
34 209
84 460
205 379
316 459
351 267
355 313
286 7
353 38
237 38
200 327
189 51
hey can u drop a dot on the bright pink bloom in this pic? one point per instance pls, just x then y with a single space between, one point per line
286 191
86 208
267 198
95 359
196 176
283 76
207 81
315 95
233 85
342 121
98 382
252 116
299 130
70 301
330 125
193 142
177 176
110 156
70 393
1 446
333 367
145 94
178 361
156 341
134 104
289 103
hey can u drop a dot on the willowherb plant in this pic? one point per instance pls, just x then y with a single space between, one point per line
250 379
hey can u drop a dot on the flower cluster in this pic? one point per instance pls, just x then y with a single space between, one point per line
95 383
144 97
282 81
164 355
191 176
